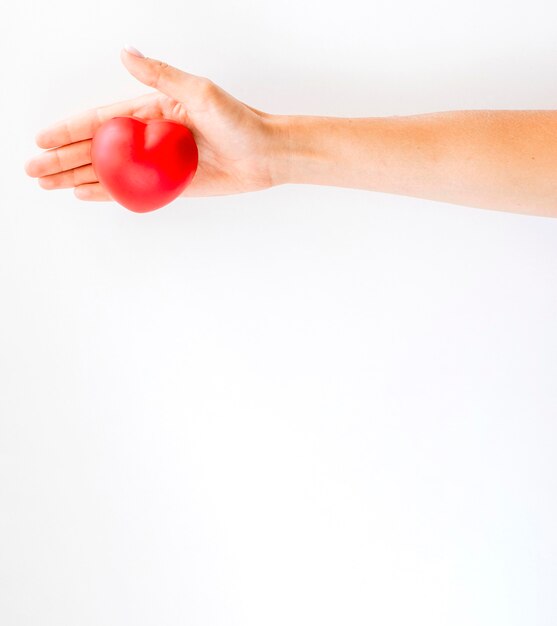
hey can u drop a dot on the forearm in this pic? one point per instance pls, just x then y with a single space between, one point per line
503 160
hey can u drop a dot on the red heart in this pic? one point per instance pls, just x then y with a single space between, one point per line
143 164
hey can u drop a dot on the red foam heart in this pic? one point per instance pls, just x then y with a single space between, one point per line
144 164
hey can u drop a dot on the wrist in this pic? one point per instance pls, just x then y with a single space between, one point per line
280 152
317 150
295 152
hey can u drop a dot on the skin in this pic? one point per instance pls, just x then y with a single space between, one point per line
491 159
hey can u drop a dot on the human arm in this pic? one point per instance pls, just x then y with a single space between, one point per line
493 159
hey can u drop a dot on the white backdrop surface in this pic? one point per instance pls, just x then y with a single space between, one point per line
298 406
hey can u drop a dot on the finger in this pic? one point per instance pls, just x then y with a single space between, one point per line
70 178
92 191
83 125
194 91
59 159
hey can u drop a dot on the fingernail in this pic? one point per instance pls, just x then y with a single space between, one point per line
133 51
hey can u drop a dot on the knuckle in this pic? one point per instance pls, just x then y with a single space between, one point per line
158 69
207 88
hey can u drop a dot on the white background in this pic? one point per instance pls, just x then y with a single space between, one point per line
301 406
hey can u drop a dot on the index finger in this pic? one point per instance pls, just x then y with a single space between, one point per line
83 125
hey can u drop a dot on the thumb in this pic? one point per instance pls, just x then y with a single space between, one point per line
190 89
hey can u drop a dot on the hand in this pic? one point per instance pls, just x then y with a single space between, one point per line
235 141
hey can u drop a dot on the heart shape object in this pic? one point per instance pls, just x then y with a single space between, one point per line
143 164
